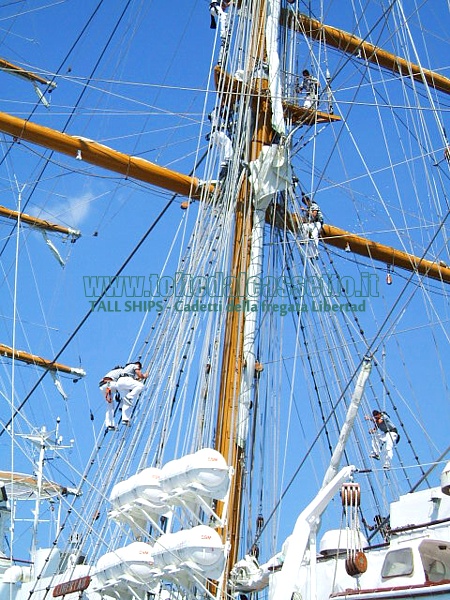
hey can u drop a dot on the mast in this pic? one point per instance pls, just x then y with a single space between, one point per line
102 156
351 44
233 363
33 359
29 75
21 486
38 223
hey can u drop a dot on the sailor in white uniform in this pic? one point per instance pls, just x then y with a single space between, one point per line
130 385
108 387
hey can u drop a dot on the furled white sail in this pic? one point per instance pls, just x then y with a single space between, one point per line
272 34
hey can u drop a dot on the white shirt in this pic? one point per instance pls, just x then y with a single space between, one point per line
114 374
131 370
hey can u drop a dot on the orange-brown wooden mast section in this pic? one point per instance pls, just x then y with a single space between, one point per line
101 156
351 44
232 364
334 236
20 72
340 238
33 359
38 223
231 374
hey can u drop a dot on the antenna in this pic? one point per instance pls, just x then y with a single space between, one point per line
40 487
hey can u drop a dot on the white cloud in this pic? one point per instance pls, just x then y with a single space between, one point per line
69 211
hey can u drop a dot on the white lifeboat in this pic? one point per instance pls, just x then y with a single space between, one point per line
205 473
138 496
131 564
198 549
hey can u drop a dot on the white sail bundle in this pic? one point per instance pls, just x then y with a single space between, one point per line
270 173
272 44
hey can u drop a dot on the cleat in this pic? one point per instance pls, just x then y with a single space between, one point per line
375 456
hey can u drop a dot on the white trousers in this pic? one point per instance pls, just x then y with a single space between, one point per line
311 232
383 443
223 142
217 11
109 390
129 389
310 101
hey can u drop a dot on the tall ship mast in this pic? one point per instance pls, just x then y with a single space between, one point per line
255 313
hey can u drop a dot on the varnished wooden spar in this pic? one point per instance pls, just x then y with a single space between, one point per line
381 253
340 238
20 72
38 223
351 44
21 486
101 156
33 359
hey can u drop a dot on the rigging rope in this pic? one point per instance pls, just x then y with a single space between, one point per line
92 309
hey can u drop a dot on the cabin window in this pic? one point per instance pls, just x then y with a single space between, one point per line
398 563
436 571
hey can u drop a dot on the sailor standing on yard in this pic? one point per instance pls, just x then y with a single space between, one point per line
129 386
312 224
108 387
310 85
385 436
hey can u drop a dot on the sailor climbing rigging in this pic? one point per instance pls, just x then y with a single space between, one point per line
312 224
125 382
108 387
219 137
217 11
129 386
385 436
